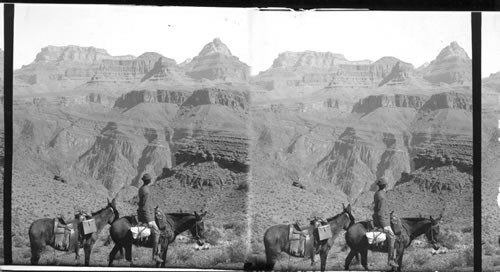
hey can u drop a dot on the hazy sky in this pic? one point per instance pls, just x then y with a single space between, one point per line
490 42
255 37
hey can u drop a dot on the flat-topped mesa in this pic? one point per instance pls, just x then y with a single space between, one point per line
215 62
129 70
310 59
311 69
451 66
71 53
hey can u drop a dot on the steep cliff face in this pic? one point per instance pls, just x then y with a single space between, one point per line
143 131
120 155
215 62
133 98
384 135
373 102
449 100
452 65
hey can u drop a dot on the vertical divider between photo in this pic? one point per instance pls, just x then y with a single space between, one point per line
8 78
476 124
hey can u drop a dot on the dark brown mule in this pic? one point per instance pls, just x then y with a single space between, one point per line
41 233
412 228
176 223
276 238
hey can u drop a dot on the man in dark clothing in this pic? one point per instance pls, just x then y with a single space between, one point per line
381 219
145 214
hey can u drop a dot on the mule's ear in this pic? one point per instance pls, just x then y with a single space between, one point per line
432 220
108 201
343 206
195 213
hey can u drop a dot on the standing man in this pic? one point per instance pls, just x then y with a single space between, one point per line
145 214
381 219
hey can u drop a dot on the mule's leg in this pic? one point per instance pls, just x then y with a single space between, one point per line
364 258
36 251
77 254
128 254
349 258
88 250
113 252
271 255
323 254
164 256
400 260
312 257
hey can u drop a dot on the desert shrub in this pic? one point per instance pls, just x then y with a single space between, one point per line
464 258
219 257
488 249
237 251
212 235
468 256
420 258
243 186
467 229
240 228
183 254
450 239
18 241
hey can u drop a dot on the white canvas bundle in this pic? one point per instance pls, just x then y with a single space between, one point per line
140 232
375 237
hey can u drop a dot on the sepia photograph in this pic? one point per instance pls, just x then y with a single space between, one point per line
361 141
130 136
248 139
490 141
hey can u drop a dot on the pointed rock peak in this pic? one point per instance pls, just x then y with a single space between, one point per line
215 47
453 50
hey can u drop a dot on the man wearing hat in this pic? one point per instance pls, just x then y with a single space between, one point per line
145 214
381 219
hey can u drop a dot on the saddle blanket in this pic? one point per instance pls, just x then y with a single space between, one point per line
140 232
375 237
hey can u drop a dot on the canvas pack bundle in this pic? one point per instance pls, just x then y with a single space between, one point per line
89 226
62 236
299 242
140 232
375 237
